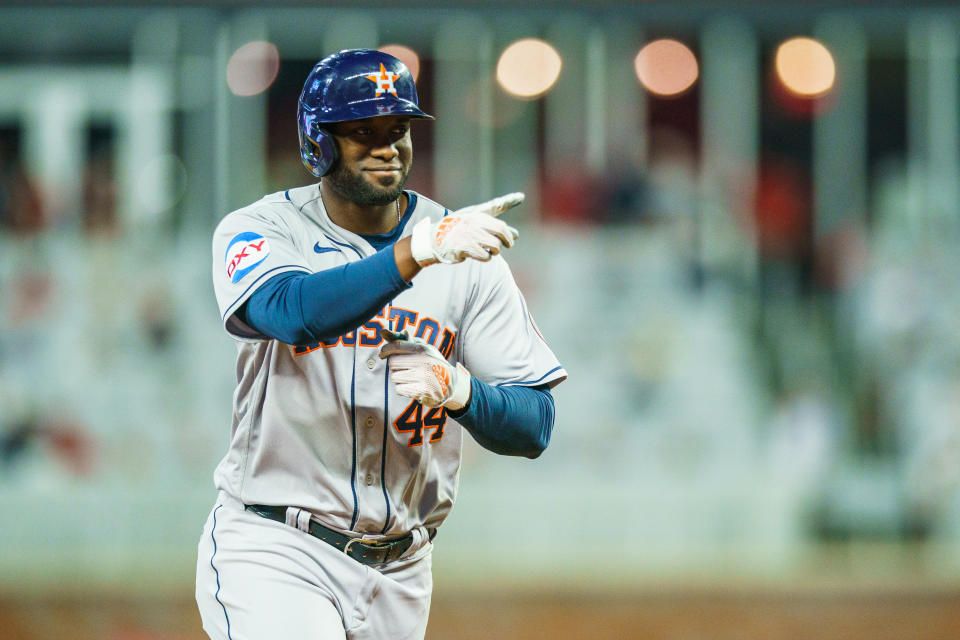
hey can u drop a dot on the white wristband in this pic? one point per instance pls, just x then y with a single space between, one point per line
421 243
461 390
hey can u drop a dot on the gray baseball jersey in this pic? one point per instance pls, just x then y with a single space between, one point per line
319 426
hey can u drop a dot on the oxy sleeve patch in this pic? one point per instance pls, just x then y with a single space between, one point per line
244 253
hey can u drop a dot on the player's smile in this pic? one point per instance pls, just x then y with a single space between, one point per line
385 176
387 179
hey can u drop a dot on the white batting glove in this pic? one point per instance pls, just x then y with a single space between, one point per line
420 372
472 232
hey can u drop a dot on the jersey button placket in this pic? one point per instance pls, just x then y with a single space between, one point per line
369 479
371 363
369 422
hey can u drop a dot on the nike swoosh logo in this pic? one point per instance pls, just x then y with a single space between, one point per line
317 248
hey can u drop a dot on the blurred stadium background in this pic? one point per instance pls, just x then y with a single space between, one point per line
741 238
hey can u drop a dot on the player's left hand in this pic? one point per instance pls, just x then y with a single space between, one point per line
420 372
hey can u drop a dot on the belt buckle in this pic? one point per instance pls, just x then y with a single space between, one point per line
373 545
346 548
376 544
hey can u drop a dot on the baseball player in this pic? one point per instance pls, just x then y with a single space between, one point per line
373 327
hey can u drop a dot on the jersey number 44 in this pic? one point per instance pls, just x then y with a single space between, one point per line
415 418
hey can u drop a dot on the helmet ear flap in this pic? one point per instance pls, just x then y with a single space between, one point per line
325 148
318 149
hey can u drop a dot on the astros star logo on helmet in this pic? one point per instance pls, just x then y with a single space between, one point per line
384 81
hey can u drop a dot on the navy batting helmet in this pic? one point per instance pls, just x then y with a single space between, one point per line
350 85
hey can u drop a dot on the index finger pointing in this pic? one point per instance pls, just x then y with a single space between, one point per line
504 203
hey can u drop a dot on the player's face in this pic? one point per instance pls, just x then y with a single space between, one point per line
375 158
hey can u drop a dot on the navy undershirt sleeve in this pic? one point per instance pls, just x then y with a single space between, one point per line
513 421
300 308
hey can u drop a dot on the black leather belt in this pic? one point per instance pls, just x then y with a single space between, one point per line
364 551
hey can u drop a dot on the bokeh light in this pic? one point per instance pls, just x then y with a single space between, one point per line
805 67
252 68
168 170
406 55
666 67
528 68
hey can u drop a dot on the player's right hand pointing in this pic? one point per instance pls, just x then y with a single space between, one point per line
472 232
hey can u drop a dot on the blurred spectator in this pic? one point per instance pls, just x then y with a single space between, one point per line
840 257
783 210
31 295
100 194
626 192
804 439
672 175
156 316
66 443
572 195
21 207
